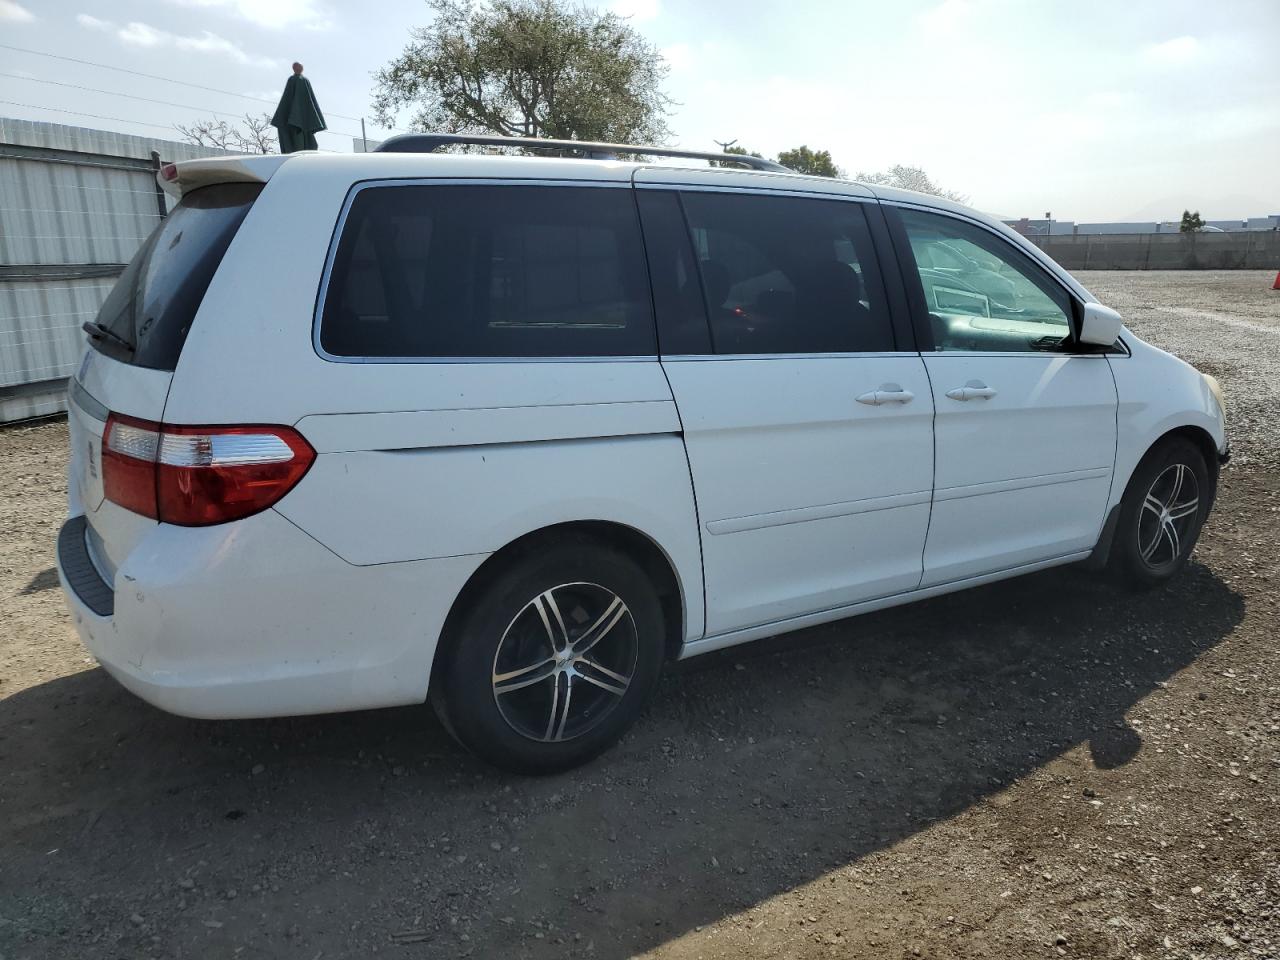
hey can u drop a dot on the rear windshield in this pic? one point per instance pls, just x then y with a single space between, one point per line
149 311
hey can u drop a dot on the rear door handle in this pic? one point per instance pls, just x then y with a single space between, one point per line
887 393
973 390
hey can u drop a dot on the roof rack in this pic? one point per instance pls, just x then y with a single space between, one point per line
430 142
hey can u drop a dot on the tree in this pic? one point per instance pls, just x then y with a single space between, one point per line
736 151
910 178
816 163
1191 222
530 68
256 137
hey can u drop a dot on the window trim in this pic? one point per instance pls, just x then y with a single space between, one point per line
843 355
915 291
891 276
357 188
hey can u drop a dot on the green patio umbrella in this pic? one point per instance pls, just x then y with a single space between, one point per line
298 118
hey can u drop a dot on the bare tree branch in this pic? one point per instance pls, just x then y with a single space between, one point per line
258 136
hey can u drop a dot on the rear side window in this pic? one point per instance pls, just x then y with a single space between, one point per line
788 275
489 271
149 312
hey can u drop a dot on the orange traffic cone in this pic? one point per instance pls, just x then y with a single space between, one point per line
1276 285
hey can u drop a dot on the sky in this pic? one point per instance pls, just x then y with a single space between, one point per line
1088 110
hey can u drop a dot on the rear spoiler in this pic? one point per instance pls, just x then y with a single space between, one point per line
184 176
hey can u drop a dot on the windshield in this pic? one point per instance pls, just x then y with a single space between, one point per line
148 313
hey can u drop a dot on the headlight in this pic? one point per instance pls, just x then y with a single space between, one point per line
1216 389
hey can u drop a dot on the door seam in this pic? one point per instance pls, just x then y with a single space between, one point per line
697 512
933 486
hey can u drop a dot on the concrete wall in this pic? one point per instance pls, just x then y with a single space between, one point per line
1246 250
75 204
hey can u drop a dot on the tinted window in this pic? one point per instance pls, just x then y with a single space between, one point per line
489 271
787 275
983 294
677 291
152 305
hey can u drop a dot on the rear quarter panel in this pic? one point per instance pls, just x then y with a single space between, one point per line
393 487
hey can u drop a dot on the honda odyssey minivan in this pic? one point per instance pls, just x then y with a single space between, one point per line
509 432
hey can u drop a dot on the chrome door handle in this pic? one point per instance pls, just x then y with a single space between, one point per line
888 393
973 390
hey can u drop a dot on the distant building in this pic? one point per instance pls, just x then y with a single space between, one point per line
1252 223
1039 228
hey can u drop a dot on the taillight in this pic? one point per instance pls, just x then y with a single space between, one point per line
196 476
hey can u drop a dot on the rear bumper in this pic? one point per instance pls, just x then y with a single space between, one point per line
80 578
256 619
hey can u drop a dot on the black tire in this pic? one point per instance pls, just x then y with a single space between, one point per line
1151 547
507 629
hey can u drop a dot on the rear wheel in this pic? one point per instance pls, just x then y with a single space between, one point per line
553 659
1163 509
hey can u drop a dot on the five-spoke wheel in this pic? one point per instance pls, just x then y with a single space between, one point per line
565 660
1168 514
552 657
1164 505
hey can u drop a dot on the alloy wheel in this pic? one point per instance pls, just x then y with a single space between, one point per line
565 661
1168 516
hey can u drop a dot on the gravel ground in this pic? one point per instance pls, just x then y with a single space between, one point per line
1044 767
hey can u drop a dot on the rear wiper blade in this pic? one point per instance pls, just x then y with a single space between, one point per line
97 331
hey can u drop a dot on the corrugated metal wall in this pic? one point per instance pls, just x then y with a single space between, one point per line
75 204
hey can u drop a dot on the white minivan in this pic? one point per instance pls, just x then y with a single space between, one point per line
509 432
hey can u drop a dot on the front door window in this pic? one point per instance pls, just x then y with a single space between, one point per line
983 294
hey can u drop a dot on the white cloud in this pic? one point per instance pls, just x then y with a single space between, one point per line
137 34
1111 99
679 56
1179 50
14 12
637 10
945 16
141 35
272 14
212 43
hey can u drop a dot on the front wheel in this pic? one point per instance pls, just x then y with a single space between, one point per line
1163 510
553 659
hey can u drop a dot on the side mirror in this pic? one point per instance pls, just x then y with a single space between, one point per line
1101 325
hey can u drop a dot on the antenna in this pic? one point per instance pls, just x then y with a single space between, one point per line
724 145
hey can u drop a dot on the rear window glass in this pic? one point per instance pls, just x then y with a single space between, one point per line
489 271
149 312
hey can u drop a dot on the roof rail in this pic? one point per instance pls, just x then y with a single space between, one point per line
430 142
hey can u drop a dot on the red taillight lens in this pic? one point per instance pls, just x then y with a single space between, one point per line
215 474
195 476
129 450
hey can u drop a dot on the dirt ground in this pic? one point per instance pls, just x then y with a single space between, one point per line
1039 768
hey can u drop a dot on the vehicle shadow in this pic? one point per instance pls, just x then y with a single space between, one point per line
756 770
44 580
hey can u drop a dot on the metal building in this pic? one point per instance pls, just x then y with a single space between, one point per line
75 204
